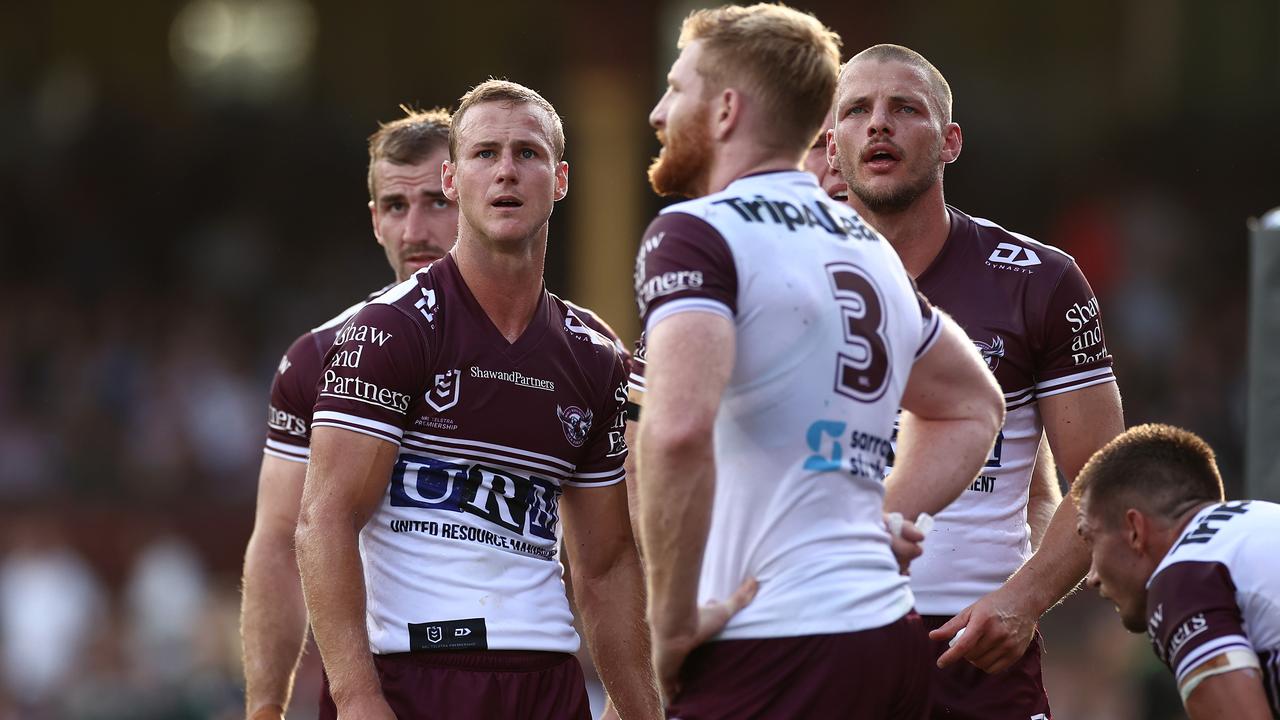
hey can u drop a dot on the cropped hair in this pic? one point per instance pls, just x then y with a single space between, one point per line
505 91
785 58
408 140
1159 469
940 90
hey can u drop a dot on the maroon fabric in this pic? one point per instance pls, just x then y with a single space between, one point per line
478 685
879 674
963 692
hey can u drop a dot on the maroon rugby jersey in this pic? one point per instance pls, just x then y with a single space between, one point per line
293 388
1031 313
462 552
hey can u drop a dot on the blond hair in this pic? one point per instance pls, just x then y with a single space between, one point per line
513 94
408 140
939 89
787 58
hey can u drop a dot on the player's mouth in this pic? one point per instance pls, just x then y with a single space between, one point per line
839 192
422 258
507 202
881 157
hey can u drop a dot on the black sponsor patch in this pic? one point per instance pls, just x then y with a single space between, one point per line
467 634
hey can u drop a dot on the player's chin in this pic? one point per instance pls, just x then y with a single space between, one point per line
1134 621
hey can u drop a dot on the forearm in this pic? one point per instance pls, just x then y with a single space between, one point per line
936 461
1044 494
677 489
612 611
1057 566
273 618
333 583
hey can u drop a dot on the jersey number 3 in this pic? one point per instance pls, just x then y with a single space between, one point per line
862 371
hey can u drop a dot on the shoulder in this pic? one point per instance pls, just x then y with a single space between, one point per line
577 315
1008 251
586 334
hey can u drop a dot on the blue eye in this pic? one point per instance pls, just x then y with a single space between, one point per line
908 109
440 204
527 154
485 154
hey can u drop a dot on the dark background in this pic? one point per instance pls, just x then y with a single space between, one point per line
182 192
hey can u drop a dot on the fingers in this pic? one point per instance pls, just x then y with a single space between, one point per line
960 648
743 596
952 626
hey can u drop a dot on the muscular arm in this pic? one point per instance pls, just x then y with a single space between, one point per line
1237 695
346 480
690 360
273 617
1077 424
609 593
1044 495
952 411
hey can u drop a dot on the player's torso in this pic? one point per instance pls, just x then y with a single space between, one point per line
466 539
985 278
827 327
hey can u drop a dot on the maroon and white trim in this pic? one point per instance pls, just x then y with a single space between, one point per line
284 451
1075 381
688 304
364 426
933 330
1208 651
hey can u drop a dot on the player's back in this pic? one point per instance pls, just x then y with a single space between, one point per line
827 326
1219 580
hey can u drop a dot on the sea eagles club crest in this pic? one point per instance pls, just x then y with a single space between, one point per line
992 351
576 424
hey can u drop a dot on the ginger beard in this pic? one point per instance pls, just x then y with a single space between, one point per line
921 176
681 167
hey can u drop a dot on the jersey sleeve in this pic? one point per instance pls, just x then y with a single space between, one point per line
1192 616
684 264
372 373
1073 351
930 321
636 378
606 447
293 396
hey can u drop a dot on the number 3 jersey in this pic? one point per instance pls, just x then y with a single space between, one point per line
462 551
828 326
1217 592
1031 313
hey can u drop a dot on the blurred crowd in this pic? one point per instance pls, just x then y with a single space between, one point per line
153 269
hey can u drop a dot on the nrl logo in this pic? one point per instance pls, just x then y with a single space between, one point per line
434 634
576 424
444 394
991 352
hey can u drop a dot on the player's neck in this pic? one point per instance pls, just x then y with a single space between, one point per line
737 160
916 233
505 278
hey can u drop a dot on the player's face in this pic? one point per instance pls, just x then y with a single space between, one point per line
682 119
412 219
1115 570
891 144
506 178
818 165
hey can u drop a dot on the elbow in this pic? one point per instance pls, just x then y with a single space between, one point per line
676 436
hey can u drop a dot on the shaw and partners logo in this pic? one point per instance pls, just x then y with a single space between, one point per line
576 423
353 388
1014 255
514 377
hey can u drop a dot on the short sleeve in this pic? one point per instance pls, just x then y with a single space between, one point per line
1192 615
293 396
372 373
684 264
636 379
930 321
1073 352
606 447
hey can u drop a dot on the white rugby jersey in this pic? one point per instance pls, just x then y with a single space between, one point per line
1218 590
462 552
828 327
1031 313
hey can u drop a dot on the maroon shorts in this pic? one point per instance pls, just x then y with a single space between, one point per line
963 692
478 685
878 674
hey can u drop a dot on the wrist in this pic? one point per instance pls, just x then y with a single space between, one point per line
268 712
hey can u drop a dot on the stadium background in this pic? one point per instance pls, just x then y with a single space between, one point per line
182 193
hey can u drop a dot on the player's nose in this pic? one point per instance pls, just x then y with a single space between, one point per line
881 121
1091 578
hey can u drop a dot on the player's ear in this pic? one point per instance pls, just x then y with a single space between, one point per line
726 113
562 180
447 180
952 141
833 154
1136 529
373 220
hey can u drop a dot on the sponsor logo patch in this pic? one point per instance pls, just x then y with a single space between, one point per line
1013 255
514 377
445 390
469 634
576 424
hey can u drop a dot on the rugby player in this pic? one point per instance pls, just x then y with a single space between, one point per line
1197 574
416 225
1031 312
493 410
782 335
